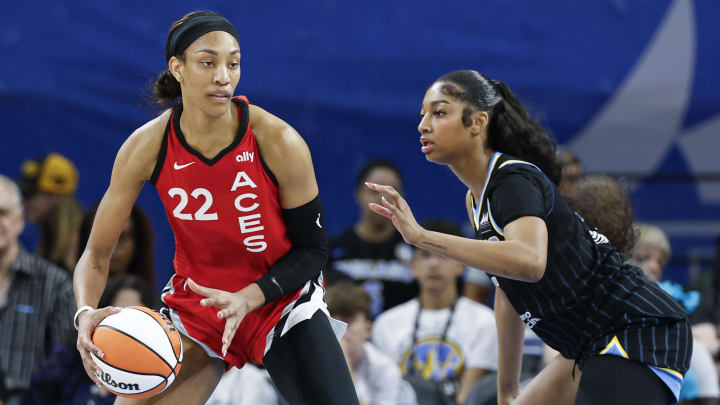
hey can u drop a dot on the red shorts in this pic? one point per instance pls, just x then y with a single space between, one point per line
257 331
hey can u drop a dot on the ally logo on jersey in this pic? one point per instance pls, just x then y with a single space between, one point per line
245 157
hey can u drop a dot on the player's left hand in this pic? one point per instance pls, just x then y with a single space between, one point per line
397 210
233 307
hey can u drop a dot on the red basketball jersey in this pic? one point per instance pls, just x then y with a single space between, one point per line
226 216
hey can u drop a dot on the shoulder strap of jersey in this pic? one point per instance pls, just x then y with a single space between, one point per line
162 153
244 113
509 161
241 97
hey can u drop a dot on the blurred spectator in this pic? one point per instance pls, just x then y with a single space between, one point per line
126 290
133 252
372 252
476 285
61 378
536 355
571 171
439 338
48 185
651 253
376 376
36 297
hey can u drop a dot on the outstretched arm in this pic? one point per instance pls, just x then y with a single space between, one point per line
521 256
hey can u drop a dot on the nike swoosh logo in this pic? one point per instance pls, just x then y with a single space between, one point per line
317 221
176 166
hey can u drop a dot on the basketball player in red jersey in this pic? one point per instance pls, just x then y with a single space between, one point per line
240 193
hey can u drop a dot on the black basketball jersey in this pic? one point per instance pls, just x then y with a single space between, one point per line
588 298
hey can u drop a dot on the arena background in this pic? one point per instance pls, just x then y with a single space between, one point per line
630 86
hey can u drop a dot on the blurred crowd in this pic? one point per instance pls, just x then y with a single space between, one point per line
421 329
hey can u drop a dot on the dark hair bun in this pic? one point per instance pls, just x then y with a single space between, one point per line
166 88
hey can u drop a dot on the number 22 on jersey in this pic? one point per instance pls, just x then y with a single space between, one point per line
248 223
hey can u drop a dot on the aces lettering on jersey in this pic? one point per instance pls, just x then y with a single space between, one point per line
251 222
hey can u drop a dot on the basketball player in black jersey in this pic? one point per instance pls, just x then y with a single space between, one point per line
554 271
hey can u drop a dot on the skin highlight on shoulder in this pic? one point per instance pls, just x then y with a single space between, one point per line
276 138
140 150
286 155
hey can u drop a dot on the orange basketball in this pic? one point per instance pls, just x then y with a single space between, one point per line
143 352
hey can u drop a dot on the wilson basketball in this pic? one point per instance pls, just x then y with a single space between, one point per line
143 352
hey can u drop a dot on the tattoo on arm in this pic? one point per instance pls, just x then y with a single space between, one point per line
96 265
435 245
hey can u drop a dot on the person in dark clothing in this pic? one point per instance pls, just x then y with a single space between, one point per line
36 301
372 252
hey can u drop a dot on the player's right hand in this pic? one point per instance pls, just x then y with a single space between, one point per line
233 306
87 322
396 209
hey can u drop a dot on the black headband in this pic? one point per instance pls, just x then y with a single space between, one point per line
196 27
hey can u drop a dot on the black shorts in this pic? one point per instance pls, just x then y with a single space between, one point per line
609 379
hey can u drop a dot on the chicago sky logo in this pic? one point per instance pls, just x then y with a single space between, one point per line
433 359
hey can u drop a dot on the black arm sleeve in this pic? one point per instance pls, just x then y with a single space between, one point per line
521 191
308 255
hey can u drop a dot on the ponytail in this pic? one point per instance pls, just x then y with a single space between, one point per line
511 129
166 88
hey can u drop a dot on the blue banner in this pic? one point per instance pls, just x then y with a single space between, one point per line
630 86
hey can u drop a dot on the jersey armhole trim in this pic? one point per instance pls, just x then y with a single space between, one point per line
266 168
162 153
552 206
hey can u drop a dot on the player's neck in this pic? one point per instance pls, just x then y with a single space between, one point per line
472 168
7 258
438 299
374 230
202 130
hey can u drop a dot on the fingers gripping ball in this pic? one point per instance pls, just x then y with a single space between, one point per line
143 352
